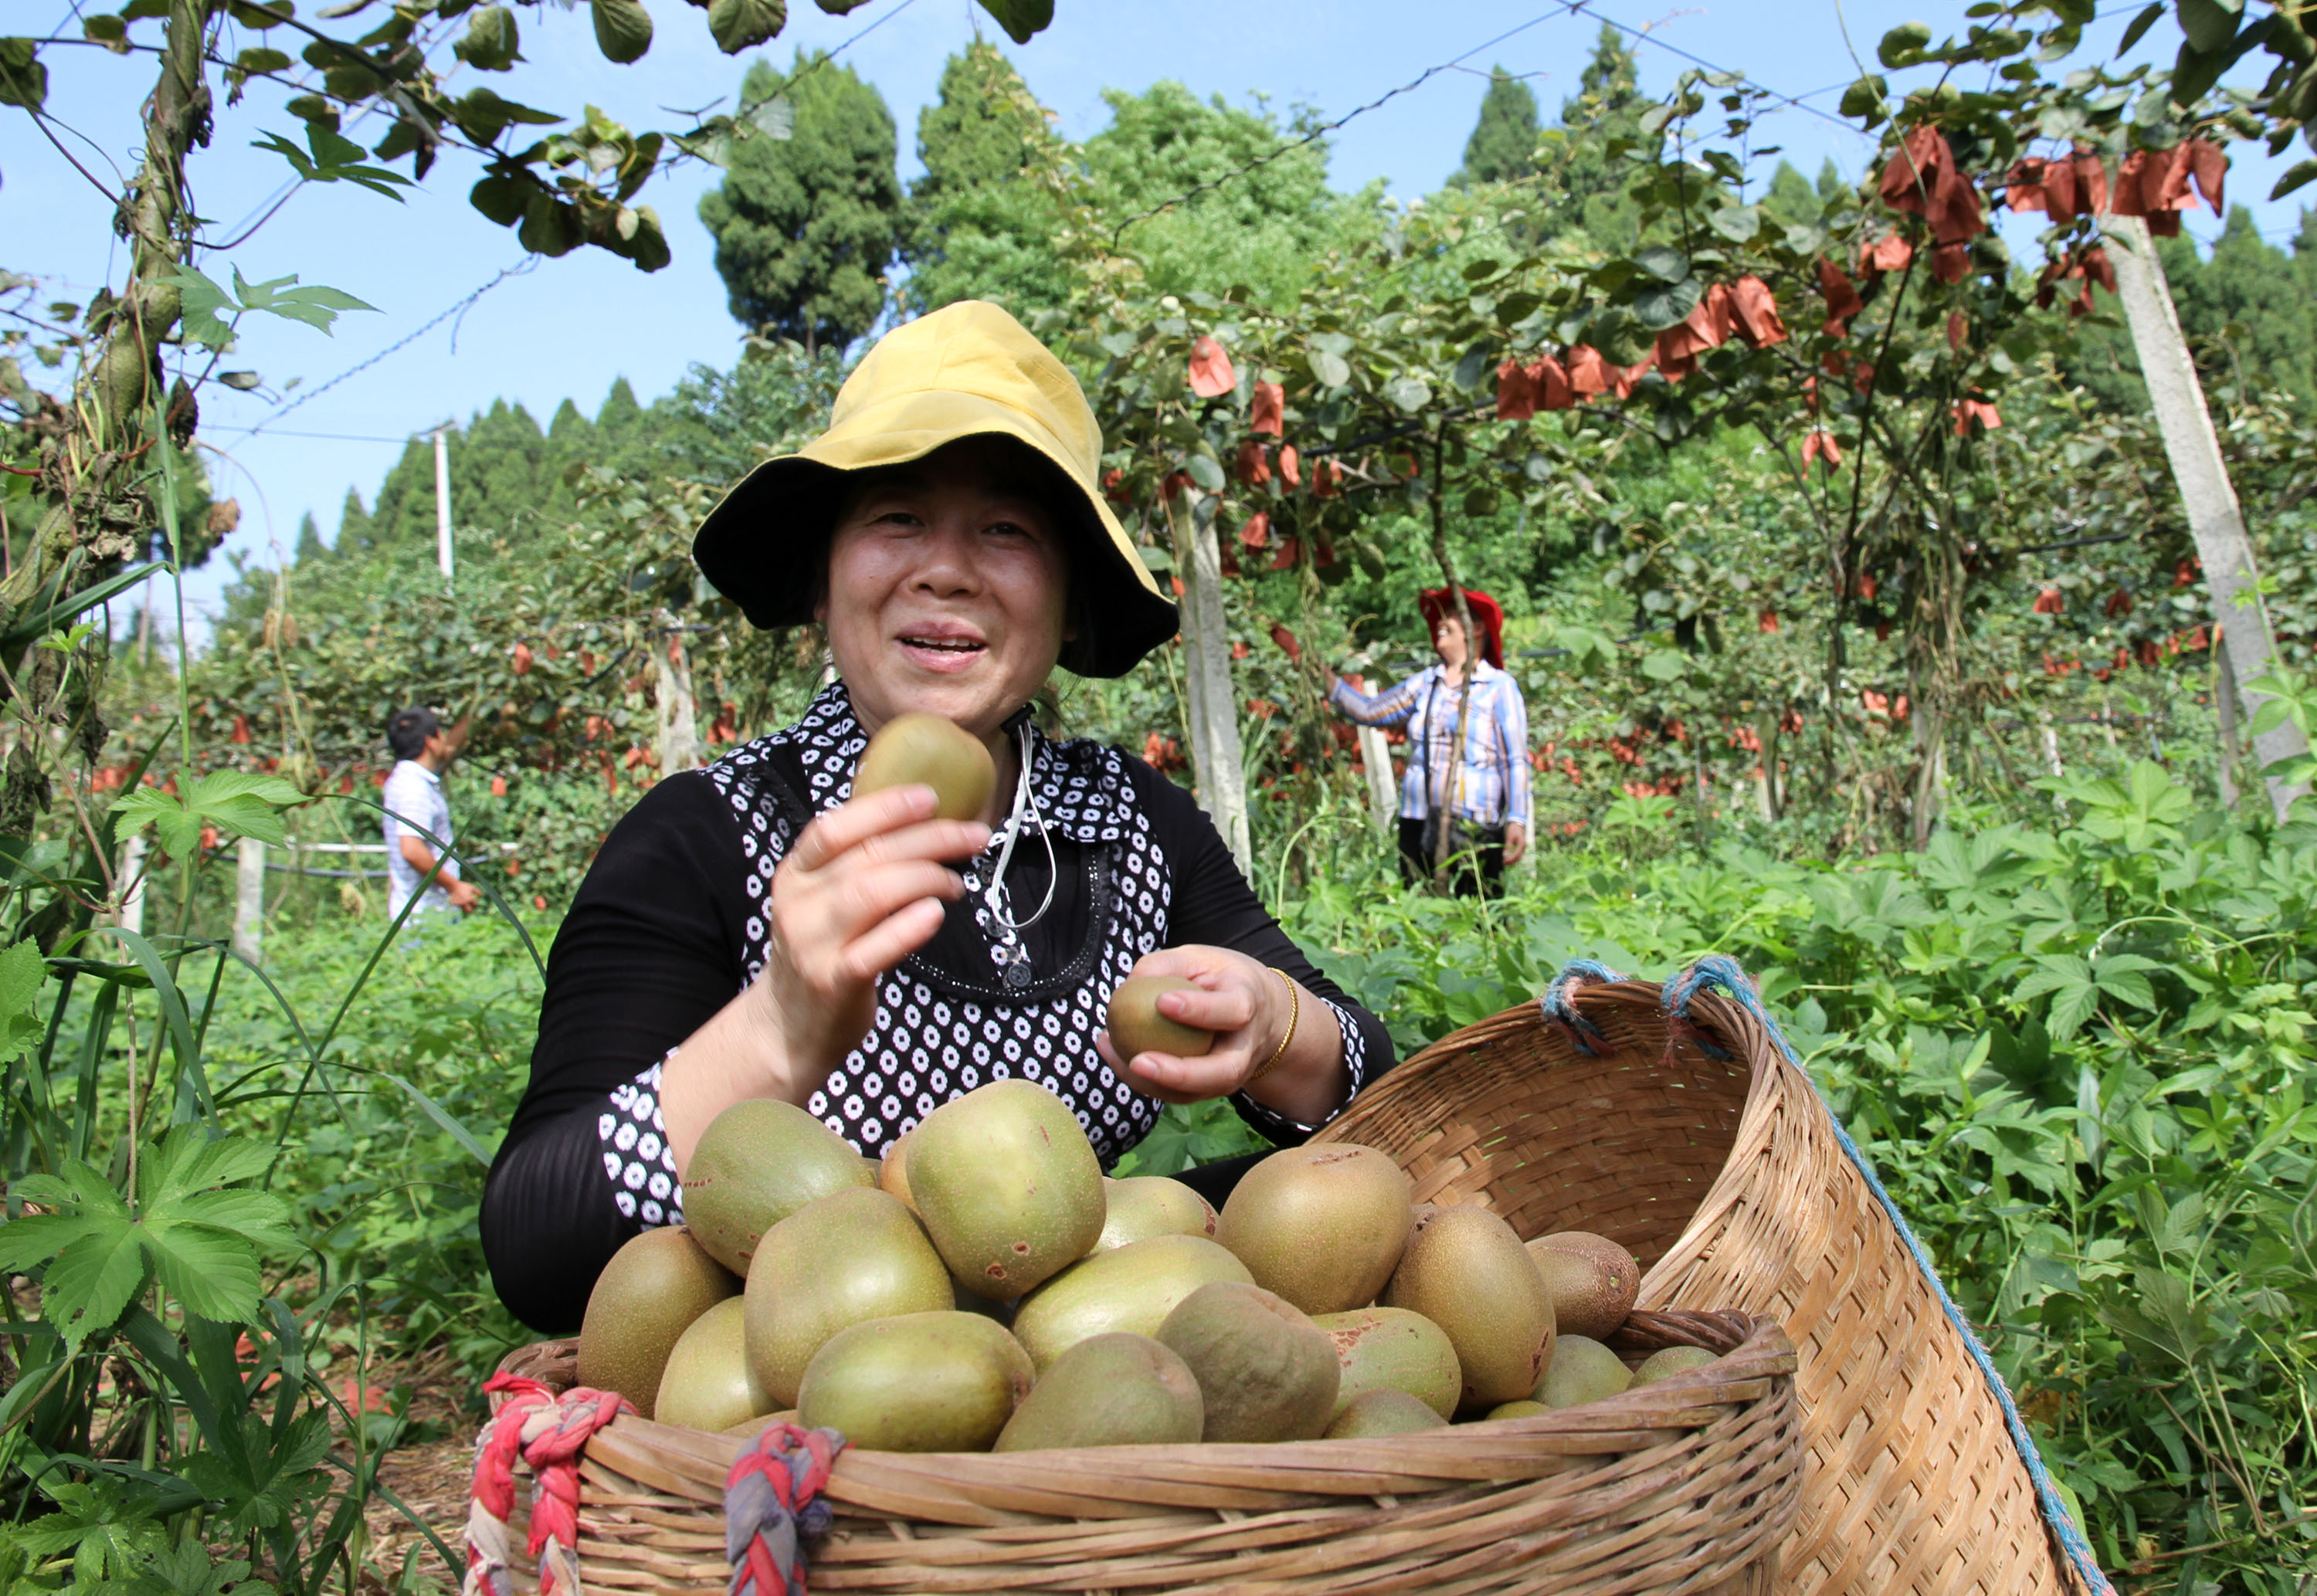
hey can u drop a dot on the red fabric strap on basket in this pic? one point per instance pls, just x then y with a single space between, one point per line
546 1433
773 1507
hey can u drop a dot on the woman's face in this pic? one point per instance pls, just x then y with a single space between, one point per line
947 588
1448 641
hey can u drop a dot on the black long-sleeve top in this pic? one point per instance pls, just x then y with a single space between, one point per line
671 924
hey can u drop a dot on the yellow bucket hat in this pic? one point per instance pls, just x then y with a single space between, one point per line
968 370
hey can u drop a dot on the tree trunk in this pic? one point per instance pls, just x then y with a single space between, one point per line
2215 517
1212 706
678 719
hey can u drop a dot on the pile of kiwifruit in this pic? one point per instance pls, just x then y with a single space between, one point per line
984 1286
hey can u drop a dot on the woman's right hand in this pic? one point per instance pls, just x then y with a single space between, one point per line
862 889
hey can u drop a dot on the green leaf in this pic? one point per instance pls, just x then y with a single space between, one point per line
450 1122
1205 471
1865 99
316 307
1903 45
108 30
22 973
1737 223
624 29
1410 392
1664 264
178 831
1658 308
200 300
1665 665
738 24
1021 19
2300 174
244 804
334 159
1331 370
492 43
2137 29
2210 25
200 1243
23 79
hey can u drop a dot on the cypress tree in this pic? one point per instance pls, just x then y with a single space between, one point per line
1503 145
1588 189
805 225
973 228
310 537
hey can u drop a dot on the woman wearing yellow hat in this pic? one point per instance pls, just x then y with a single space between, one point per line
752 931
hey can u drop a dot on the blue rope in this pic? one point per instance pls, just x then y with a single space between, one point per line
1724 974
1557 1008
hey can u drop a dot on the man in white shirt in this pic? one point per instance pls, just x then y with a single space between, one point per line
413 794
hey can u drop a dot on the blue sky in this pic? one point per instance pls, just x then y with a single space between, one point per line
570 328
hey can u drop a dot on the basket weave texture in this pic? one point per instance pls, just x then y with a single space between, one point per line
1691 1140
1688 1485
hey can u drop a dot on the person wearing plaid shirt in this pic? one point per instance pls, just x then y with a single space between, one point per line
1487 790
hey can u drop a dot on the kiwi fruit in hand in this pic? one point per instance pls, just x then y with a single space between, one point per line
932 751
1136 1027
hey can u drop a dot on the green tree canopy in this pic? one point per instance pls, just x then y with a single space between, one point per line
1503 145
974 229
1263 229
805 225
1584 185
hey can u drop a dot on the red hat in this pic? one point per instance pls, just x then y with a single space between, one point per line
1487 613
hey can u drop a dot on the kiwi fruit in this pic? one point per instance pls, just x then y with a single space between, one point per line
1382 1411
1522 1409
757 1163
1321 1227
749 1429
1582 1370
1131 1288
893 1171
936 752
1265 1371
1136 1027
708 1384
1144 1205
855 1256
1466 1272
1007 1187
643 1302
1110 1390
1671 1362
1385 1349
931 1382
1592 1281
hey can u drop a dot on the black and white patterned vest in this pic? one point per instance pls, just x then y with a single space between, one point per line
940 1032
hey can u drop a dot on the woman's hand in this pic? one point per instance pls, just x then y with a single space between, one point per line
862 889
1516 843
1248 1007
1239 1000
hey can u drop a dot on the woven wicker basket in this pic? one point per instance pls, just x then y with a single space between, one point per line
1675 1122
1688 1485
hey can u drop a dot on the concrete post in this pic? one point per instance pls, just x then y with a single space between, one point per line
249 899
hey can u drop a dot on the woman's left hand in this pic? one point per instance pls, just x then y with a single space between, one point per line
1240 1000
1516 843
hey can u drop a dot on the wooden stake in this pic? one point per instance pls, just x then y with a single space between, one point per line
1212 706
2202 476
